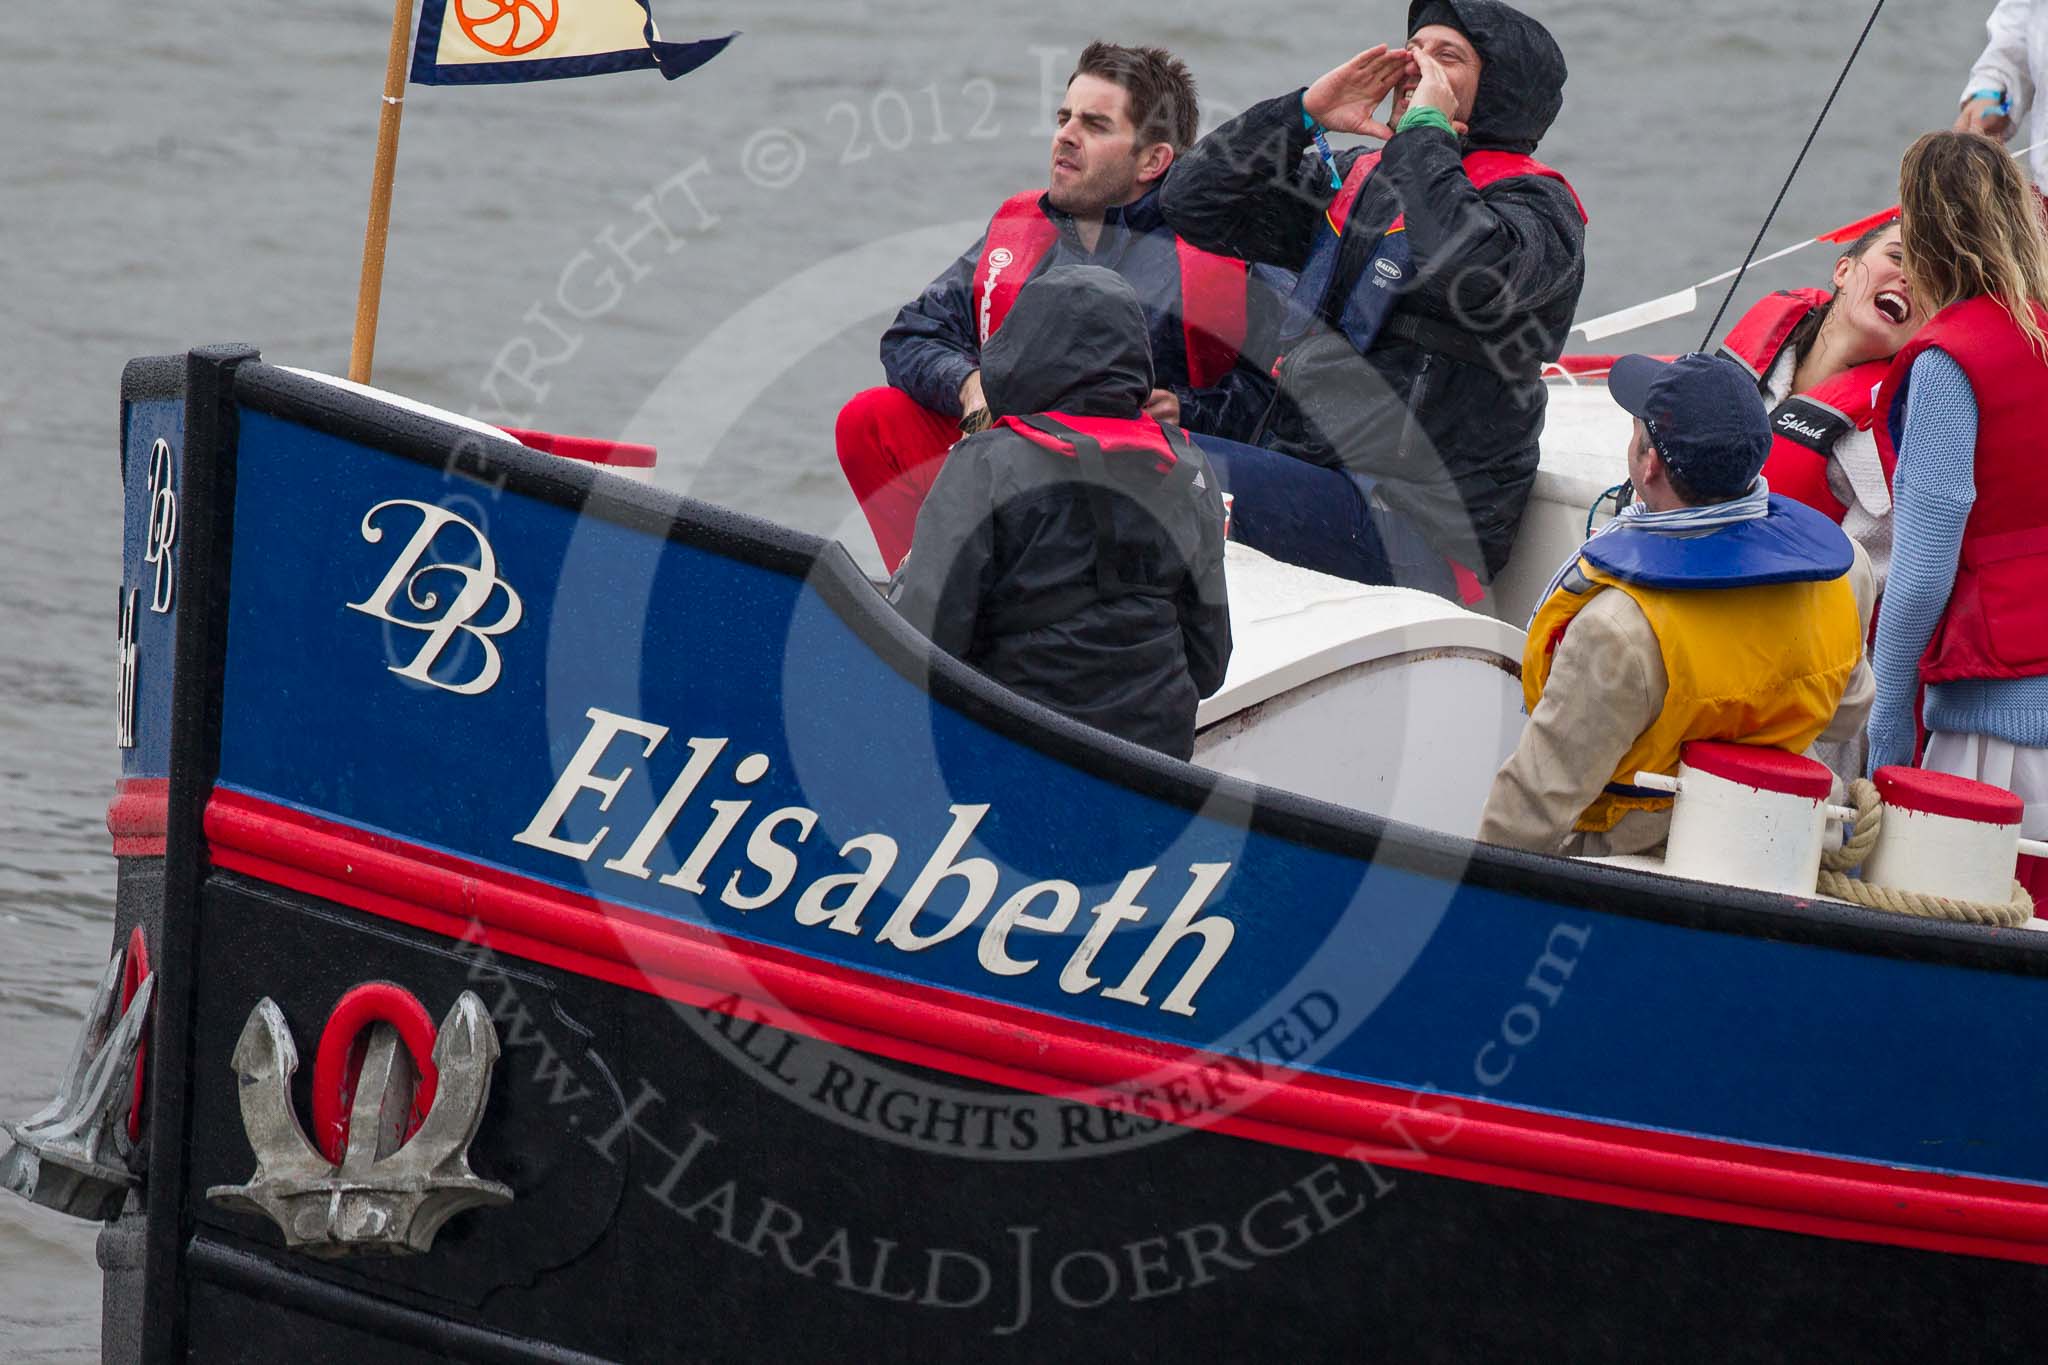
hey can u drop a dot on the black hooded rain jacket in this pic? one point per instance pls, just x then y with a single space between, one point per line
1447 424
1010 532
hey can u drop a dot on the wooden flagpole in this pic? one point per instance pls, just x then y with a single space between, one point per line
371 290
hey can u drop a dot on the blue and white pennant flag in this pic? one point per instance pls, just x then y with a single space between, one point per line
477 42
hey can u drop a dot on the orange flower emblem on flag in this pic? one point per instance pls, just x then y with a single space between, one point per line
508 28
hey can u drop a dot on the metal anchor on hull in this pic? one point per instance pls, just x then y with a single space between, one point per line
74 1154
388 1194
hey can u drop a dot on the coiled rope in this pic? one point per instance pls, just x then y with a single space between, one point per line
1862 837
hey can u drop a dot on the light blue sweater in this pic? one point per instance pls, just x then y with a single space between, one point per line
1932 493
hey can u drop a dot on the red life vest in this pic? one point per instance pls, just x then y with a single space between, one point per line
1996 623
1212 288
1481 168
1806 426
1116 436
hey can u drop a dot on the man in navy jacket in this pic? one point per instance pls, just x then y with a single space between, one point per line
1127 114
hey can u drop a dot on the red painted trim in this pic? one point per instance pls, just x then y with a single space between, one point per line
338 1064
134 971
589 449
1959 798
1004 1045
138 816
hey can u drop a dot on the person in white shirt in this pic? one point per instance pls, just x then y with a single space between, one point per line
2000 99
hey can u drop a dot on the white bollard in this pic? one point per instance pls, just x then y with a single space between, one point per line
1945 836
1748 816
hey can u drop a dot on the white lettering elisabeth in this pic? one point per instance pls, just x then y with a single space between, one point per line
633 862
979 874
860 887
1121 908
1066 898
581 776
772 859
1216 934
766 865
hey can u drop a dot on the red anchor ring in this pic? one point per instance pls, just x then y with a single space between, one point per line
134 971
338 1065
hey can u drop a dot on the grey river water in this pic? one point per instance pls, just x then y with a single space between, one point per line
195 171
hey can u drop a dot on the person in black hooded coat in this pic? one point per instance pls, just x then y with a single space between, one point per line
1438 420
1074 551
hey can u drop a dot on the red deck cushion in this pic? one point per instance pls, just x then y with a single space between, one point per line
1753 765
1960 798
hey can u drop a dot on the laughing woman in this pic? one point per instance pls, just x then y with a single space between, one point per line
1966 611
1818 358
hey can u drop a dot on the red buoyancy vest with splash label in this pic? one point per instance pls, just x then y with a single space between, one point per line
1212 288
1806 426
1996 622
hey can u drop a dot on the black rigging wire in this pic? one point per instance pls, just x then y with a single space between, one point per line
1757 245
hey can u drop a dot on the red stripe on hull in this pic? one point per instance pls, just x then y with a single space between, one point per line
138 816
1004 1045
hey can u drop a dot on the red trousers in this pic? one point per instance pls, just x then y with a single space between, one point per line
891 446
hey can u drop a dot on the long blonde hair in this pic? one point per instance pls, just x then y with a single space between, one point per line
1971 225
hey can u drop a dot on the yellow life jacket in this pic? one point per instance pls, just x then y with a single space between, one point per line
1762 664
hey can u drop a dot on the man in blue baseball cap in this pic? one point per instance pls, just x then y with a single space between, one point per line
1709 609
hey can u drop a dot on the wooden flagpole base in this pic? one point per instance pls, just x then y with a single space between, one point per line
377 233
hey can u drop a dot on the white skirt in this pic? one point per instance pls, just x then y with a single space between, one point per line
2023 772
